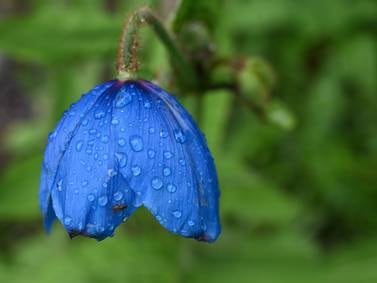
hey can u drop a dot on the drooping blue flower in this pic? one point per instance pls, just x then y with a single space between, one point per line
124 145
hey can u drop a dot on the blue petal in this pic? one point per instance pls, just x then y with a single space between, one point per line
89 196
57 144
169 165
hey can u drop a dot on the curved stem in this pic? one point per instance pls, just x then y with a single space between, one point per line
127 63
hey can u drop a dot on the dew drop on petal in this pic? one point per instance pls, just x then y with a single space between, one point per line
122 142
91 197
171 188
99 114
147 104
136 143
79 145
111 172
105 139
114 121
84 183
151 153
179 136
168 154
102 201
204 227
67 220
163 134
59 185
151 130
118 195
191 223
177 214
52 136
136 170
167 171
156 183
122 159
123 99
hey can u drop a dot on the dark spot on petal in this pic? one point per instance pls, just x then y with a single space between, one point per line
119 207
203 238
73 234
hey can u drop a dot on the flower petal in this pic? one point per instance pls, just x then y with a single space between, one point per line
89 196
169 167
59 139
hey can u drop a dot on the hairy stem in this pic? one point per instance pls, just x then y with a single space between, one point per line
127 63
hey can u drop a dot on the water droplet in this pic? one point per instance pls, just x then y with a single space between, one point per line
52 136
168 154
156 183
179 136
105 139
91 197
122 99
147 104
167 171
85 122
151 130
122 142
114 121
102 201
84 183
151 153
163 134
191 223
79 145
177 214
59 185
118 196
171 188
92 131
99 114
136 170
182 162
136 143
111 172
105 156
122 159
67 220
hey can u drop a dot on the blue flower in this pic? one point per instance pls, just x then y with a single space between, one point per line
124 145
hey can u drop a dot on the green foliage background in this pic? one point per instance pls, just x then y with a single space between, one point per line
299 196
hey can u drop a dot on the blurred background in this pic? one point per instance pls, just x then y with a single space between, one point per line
287 100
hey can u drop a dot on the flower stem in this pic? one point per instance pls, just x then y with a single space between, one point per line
127 63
